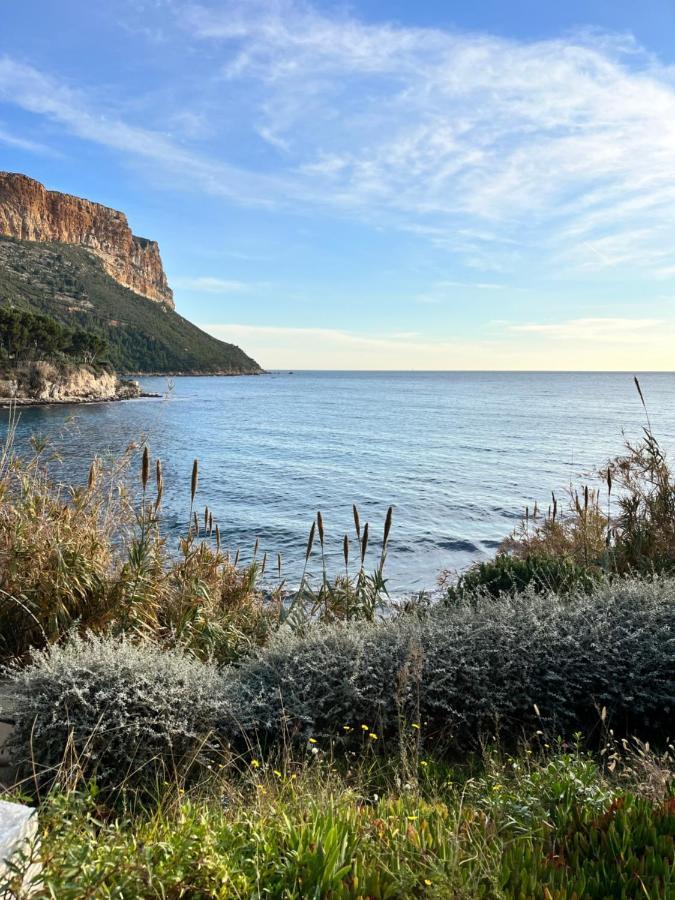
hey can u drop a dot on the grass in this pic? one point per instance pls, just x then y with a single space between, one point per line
94 559
502 827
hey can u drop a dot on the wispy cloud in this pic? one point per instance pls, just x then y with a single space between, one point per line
554 153
567 145
597 330
205 284
22 143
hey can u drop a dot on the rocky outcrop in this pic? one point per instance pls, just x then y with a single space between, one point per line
29 212
43 382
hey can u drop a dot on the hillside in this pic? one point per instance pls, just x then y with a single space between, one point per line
71 284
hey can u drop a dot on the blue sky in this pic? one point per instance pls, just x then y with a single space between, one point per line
435 185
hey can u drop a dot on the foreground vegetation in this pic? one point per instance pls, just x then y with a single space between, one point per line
187 733
545 823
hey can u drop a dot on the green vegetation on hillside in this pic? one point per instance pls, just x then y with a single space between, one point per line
26 335
70 285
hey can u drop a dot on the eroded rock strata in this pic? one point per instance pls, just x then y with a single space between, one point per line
29 212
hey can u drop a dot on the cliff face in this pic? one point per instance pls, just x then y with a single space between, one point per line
29 212
42 382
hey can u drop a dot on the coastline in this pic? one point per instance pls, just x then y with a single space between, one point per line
13 402
189 374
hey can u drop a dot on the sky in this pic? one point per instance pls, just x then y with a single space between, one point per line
439 184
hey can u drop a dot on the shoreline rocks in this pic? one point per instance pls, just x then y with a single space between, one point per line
41 382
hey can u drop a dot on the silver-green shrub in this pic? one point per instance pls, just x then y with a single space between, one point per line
509 667
124 712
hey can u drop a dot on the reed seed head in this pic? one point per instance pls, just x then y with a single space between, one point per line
145 467
195 480
91 480
387 527
236 559
159 480
319 522
310 541
364 543
345 550
218 538
264 563
279 564
357 521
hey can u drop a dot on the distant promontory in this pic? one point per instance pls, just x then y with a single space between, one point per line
79 262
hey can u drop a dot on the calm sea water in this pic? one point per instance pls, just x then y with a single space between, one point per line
459 455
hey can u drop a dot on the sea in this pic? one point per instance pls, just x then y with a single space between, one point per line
459 455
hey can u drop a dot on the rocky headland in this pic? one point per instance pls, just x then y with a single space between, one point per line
29 212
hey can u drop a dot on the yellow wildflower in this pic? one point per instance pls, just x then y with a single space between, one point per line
255 763
415 726
372 736
312 740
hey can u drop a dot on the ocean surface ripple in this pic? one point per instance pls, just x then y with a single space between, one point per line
459 455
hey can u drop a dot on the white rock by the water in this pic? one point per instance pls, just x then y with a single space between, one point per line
18 829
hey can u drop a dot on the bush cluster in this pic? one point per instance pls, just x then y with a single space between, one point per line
506 668
507 574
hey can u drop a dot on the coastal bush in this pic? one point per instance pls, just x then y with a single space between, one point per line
93 558
507 667
628 529
122 713
57 552
507 574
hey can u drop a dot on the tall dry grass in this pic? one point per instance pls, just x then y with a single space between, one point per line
95 559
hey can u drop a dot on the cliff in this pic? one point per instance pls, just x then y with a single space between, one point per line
44 382
29 212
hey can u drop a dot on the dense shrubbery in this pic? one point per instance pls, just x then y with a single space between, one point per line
506 668
121 712
93 560
512 575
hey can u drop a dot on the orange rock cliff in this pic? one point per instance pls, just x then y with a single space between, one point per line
31 213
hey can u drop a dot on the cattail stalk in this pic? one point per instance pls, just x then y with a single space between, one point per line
364 543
